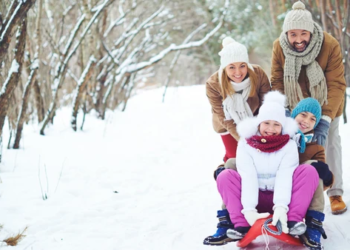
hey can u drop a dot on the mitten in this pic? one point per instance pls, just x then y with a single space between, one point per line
280 214
323 172
252 216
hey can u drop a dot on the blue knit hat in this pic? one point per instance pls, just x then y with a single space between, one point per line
308 105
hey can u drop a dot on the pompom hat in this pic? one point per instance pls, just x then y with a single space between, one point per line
308 105
232 52
273 108
299 18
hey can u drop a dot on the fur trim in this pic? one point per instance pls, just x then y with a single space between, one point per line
248 127
290 128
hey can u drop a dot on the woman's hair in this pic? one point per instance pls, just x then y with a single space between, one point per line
226 86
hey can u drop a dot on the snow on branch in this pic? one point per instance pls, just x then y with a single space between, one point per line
120 19
15 14
176 57
138 66
154 15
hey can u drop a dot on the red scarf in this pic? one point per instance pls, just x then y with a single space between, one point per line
269 143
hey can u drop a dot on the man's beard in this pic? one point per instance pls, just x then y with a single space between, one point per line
300 49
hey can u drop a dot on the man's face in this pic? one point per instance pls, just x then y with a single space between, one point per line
299 39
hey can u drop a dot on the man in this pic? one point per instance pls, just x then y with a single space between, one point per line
307 62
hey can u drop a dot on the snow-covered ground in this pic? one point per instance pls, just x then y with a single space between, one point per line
142 179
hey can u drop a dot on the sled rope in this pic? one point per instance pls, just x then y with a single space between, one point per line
265 228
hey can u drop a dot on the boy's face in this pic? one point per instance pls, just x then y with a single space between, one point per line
270 127
306 121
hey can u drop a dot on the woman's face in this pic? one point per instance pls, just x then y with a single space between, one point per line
237 71
306 121
270 127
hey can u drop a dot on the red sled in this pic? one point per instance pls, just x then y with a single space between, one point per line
255 231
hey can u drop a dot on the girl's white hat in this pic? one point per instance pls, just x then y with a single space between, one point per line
273 108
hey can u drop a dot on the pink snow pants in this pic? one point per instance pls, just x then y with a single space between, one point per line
305 182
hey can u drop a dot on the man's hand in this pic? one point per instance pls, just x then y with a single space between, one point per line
321 132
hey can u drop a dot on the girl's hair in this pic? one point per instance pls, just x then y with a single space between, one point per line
226 86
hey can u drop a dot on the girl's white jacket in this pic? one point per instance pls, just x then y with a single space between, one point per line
266 171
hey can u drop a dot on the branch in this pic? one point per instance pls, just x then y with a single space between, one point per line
6 32
176 57
138 66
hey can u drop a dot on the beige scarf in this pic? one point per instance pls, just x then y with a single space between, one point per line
294 61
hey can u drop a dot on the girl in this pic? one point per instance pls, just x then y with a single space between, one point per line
269 179
235 92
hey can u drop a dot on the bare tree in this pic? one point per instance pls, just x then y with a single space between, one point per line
14 73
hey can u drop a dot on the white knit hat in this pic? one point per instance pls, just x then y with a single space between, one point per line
299 18
271 109
232 52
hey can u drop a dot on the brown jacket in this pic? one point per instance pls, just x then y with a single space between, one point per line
314 152
213 90
331 61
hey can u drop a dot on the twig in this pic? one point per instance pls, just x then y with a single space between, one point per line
59 178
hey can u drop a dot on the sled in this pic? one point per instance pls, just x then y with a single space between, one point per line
256 231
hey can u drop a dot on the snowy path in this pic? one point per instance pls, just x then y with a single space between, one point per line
143 180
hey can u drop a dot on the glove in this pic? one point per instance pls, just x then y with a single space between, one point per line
323 172
280 214
321 132
288 114
252 216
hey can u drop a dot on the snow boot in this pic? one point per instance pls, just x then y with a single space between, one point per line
312 237
220 237
296 228
237 233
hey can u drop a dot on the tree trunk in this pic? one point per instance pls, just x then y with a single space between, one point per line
272 13
323 14
339 20
14 73
22 115
59 77
81 88
17 12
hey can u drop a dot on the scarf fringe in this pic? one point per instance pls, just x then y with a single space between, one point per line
292 91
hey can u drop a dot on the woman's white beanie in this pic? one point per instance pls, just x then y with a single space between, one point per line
298 19
232 52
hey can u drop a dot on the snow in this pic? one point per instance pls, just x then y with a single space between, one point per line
141 179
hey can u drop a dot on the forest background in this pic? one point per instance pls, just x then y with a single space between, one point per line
92 55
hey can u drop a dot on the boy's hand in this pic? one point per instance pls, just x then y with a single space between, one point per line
321 132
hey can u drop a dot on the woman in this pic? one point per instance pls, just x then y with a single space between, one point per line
235 92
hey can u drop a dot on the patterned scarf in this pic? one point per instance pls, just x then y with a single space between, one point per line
268 144
293 62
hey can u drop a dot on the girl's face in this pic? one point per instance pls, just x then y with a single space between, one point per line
237 71
270 127
306 121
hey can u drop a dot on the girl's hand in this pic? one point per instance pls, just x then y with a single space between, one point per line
253 216
280 214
